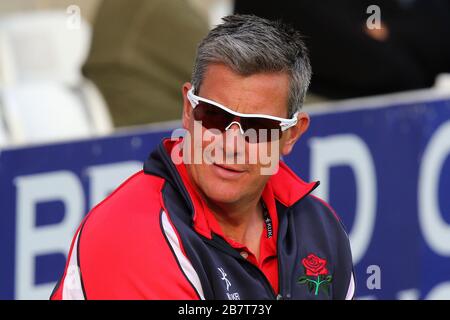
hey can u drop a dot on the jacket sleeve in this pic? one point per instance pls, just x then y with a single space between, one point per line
127 249
69 286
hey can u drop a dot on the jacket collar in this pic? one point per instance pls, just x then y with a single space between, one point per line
285 187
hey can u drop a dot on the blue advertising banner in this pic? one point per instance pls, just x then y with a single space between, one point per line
45 192
385 169
386 172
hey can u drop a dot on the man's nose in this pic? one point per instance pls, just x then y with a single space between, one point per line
234 141
235 125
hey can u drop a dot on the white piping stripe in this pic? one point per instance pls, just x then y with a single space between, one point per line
72 289
185 264
351 289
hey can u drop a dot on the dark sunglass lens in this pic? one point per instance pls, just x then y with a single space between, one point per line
212 117
266 129
262 123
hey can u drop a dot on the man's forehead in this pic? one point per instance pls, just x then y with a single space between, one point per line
261 92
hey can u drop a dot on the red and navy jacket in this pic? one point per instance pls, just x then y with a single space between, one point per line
155 238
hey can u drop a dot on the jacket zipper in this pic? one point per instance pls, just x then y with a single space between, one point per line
266 281
280 273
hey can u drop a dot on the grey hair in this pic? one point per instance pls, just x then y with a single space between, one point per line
248 45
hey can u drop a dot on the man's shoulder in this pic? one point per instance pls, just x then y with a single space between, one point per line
138 193
135 202
318 213
323 207
123 250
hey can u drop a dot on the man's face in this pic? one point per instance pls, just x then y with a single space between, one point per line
238 177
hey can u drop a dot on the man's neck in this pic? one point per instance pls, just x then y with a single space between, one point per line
242 222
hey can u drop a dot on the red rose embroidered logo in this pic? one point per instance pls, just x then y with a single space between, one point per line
316 274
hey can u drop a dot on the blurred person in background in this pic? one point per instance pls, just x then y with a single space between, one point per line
408 51
138 59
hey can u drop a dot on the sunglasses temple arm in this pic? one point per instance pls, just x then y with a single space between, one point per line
191 97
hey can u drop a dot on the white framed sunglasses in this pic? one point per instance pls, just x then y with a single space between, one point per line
214 115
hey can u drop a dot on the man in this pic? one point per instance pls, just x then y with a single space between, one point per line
206 218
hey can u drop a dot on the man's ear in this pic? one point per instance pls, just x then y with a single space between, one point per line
294 133
187 108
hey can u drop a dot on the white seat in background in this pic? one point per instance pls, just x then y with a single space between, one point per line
43 95
3 134
42 46
29 108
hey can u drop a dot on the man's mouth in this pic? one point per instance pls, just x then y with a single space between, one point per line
230 168
227 172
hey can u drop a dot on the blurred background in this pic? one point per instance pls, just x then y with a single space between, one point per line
89 87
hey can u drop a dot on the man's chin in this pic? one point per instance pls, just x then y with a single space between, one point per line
221 195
